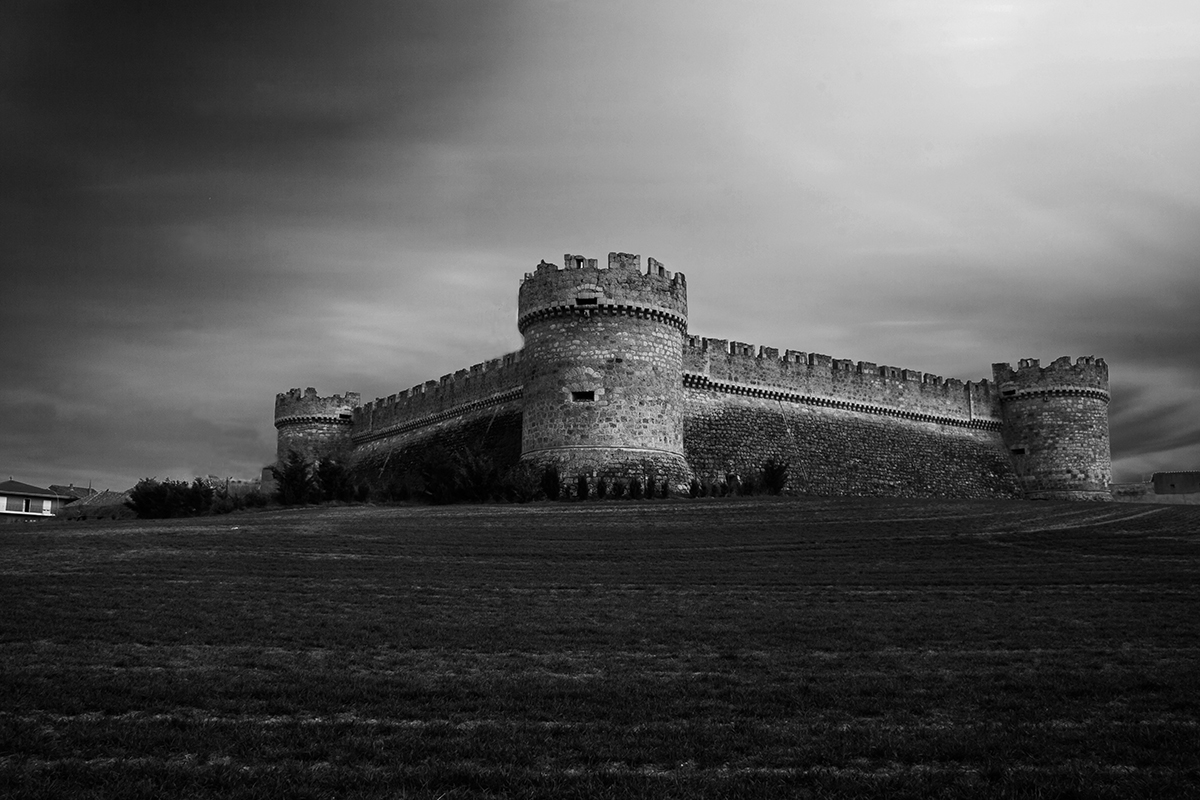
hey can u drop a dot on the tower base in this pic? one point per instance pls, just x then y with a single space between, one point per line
613 464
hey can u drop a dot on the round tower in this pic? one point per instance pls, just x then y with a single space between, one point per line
1056 427
313 426
604 382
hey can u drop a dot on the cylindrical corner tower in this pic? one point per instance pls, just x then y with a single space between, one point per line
1056 427
604 382
313 426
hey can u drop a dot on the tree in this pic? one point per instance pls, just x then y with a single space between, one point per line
151 499
550 482
294 480
332 480
774 476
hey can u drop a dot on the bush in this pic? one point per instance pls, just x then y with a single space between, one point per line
774 476
618 489
294 481
666 489
601 488
521 484
476 478
150 499
332 480
435 477
581 487
635 489
550 482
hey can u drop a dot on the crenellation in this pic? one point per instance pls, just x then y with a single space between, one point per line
627 261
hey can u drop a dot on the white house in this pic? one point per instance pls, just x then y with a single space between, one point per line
20 501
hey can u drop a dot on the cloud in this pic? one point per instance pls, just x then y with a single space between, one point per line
207 204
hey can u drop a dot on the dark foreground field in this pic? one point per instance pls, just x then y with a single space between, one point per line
662 649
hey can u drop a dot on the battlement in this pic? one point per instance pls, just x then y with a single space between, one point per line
307 405
1087 373
821 375
469 385
583 286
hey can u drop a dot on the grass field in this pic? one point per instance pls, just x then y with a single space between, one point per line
712 648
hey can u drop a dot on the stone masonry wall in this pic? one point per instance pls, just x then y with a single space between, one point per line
854 382
631 368
604 353
838 452
312 425
1056 426
494 431
478 386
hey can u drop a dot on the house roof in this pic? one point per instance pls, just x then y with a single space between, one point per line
105 498
71 491
16 487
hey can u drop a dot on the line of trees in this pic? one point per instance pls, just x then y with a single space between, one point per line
165 499
466 475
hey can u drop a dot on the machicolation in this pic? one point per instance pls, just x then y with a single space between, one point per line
611 386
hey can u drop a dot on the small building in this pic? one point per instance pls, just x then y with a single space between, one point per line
1185 482
20 501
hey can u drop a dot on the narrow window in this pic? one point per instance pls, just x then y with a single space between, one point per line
582 397
585 301
1018 451
1009 392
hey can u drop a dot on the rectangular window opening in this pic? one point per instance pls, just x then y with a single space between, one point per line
1018 451
585 301
583 397
1009 392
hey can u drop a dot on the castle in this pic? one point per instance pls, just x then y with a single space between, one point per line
610 385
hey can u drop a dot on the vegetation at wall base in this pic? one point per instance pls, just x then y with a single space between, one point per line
167 499
773 647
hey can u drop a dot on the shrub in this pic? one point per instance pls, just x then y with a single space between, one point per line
150 499
438 475
635 489
550 482
666 489
581 487
521 484
332 480
695 489
601 488
618 489
294 481
774 476
476 478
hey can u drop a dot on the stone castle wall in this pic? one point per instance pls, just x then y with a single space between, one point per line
609 385
604 344
836 451
1056 426
481 386
312 425
858 383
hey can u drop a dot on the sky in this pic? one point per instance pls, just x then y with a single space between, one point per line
204 204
